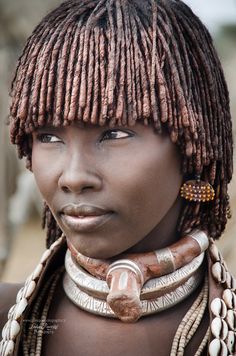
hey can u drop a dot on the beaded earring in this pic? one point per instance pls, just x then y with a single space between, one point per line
197 190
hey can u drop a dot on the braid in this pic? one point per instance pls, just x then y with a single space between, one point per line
53 230
117 62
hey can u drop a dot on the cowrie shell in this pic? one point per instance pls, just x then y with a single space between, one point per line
230 342
231 319
29 289
215 253
219 272
218 308
6 347
11 312
20 307
219 328
45 256
229 298
217 348
19 295
1 347
10 330
37 271
233 284
29 279
230 281
6 326
26 291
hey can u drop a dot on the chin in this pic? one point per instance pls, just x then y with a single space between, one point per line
92 250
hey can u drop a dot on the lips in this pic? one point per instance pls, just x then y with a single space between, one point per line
84 218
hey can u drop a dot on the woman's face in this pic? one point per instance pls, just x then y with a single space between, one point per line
110 190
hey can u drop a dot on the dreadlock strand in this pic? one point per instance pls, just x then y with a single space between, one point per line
62 71
108 110
23 106
76 80
59 55
130 100
166 116
134 103
21 70
35 42
179 46
209 78
96 14
198 91
70 70
183 117
95 107
120 64
103 76
85 62
144 61
37 86
136 67
153 68
165 109
42 116
90 79
56 45
83 82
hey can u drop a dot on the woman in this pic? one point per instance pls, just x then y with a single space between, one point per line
122 112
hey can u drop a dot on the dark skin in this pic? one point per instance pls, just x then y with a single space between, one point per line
134 175
81 333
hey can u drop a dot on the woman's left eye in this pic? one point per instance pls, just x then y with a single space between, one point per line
115 134
47 138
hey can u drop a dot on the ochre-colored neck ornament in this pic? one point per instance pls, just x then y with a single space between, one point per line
136 284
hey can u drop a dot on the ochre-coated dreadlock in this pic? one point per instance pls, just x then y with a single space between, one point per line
119 61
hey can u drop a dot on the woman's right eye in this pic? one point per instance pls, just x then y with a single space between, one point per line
48 138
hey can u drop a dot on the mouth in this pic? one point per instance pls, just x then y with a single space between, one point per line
84 218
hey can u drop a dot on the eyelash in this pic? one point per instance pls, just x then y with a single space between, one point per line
107 135
43 136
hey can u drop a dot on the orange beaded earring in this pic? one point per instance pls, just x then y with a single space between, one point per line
197 190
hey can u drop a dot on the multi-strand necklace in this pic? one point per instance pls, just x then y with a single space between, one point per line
136 284
222 327
90 294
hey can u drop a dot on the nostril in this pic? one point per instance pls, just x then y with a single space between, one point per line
78 180
65 189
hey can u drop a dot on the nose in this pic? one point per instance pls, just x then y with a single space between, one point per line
79 174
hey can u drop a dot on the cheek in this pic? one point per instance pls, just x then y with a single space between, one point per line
45 173
151 186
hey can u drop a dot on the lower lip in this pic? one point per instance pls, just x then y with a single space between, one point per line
85 224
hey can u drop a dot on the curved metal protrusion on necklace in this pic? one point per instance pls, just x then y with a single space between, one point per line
126 276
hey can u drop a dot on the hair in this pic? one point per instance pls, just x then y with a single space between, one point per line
118 61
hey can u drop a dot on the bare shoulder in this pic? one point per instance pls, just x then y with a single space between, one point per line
8 294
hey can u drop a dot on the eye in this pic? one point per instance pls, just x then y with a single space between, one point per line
115 134
47 138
